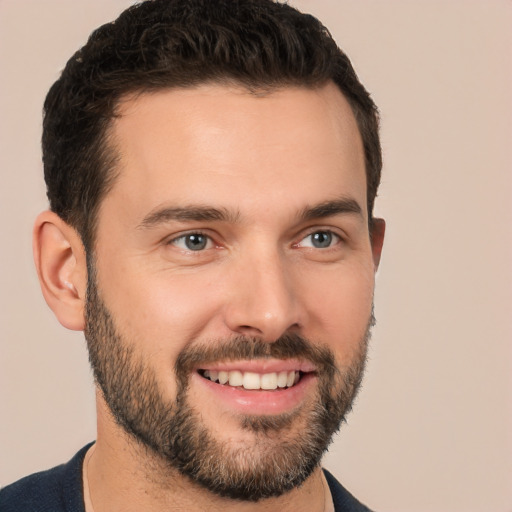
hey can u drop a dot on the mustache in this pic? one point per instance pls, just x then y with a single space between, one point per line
288 346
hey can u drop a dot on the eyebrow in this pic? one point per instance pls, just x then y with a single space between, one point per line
208 213
331 208
187 213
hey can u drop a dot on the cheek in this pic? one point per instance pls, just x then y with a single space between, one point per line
161 311
340 305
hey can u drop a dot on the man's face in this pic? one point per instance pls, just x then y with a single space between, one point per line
233 245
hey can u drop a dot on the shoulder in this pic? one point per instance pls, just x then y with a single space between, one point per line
55 490
342 499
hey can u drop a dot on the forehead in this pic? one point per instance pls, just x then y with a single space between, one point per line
224 146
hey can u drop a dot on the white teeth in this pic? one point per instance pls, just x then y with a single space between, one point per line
235 378
269 381
252 380
282 379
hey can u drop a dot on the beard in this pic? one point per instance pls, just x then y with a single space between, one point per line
283 450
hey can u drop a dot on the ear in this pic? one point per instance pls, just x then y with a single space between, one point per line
377 240
61 267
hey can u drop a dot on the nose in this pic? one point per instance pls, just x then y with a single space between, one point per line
262 301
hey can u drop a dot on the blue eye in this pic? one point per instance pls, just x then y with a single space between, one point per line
192 242
320 240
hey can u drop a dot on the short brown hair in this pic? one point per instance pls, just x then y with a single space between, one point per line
158 44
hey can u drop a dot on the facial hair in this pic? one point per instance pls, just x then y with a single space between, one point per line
286 448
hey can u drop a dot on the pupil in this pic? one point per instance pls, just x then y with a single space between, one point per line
195 242
322 239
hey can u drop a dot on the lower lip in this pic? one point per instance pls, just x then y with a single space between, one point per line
259 402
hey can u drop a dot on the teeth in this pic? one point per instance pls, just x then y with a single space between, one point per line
282 379
236 378
269 381
251 380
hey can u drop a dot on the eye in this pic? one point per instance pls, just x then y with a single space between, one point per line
192 242
320 240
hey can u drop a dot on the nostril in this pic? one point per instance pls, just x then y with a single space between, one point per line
248 329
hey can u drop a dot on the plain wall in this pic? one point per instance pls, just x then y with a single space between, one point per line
432 427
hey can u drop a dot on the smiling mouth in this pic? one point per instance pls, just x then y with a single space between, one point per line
254 381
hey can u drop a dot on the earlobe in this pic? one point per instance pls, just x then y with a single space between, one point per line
61 267
377 240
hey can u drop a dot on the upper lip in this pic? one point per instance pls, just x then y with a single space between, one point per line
261 366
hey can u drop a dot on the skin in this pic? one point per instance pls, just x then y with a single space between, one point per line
263 160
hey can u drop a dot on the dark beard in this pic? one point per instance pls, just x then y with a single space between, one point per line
281 456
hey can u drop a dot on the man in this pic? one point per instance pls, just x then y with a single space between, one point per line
211 167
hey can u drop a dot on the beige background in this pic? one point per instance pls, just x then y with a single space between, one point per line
432 429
